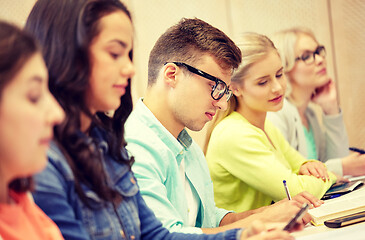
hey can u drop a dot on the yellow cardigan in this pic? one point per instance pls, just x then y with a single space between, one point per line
248 172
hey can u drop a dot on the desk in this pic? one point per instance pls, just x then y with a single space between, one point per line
352 232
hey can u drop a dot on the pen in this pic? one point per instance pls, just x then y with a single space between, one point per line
331 196
357 150
286 190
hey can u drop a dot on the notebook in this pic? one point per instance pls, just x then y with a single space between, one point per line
342 188
347 204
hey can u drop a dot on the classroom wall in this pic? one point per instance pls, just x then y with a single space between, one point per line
338 24
348 24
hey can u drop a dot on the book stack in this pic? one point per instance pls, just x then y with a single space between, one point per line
350 203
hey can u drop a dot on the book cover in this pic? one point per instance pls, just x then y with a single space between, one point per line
342 188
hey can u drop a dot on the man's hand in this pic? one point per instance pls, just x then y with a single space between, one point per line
261 231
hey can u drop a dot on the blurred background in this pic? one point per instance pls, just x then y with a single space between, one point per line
337 24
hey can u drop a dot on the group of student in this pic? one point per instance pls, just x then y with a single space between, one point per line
103 171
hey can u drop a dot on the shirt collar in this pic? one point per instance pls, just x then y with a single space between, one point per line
184 139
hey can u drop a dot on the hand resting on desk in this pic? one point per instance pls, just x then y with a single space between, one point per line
316 169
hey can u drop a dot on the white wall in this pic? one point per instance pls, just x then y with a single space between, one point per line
338 24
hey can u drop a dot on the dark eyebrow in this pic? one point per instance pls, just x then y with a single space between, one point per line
36 79
123 44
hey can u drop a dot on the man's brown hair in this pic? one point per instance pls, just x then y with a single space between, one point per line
187 41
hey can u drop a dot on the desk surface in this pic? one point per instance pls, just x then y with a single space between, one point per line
352 232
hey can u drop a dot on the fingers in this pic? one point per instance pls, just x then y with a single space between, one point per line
316 169
270 235
320 170
277 234
306 218
275 225
304 171
255 228
326 97
298 226
329 86
306 197
256 232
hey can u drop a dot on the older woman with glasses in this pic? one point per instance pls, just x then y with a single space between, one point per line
305 67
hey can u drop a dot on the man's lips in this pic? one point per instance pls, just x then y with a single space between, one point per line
210 115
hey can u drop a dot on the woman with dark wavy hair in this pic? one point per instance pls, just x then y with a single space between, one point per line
88 188
28 113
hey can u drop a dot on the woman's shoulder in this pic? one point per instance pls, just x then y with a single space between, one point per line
233 118
57 162
54 152
234 125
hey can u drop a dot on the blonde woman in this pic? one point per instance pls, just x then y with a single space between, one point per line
305 67
247 156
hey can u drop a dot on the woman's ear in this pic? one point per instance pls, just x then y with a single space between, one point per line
236 90
170 72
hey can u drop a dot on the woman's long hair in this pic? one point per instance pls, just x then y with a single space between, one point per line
253 47
16 48
66 29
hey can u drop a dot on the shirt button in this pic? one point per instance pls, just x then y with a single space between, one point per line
122 233
133 181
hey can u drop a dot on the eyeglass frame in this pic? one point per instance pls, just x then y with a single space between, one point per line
203 74
316 52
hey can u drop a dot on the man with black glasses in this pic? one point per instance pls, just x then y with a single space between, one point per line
189 74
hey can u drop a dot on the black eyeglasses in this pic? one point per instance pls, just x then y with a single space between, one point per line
309 57
218 90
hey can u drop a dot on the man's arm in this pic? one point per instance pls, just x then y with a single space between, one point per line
281 211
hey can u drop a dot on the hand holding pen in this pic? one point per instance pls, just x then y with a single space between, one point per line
303 197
